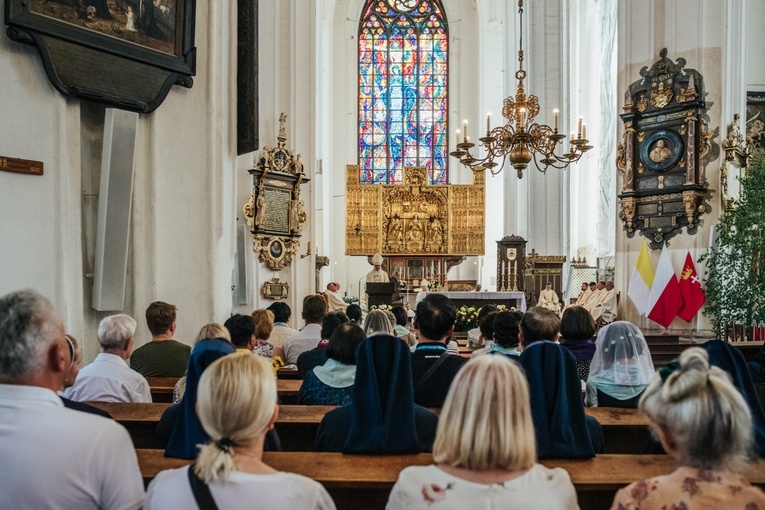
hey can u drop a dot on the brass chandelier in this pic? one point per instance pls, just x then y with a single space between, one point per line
521 140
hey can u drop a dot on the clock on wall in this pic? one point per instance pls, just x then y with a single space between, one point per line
667 145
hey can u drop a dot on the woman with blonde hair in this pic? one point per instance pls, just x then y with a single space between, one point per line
237 406
264 325
705 424
485 449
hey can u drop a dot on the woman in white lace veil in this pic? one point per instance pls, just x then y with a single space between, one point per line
621 368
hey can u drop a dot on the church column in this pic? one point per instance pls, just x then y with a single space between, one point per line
288 84
546 61
710 36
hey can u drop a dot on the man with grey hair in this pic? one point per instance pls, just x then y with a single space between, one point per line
109 378
54 457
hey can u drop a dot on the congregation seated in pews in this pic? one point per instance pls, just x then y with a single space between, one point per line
230 405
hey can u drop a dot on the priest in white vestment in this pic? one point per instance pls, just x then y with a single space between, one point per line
423 292
596 297
549 299
584 295
335 302
377 275
605 310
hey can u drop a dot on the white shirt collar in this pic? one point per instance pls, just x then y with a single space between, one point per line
26 393
110 358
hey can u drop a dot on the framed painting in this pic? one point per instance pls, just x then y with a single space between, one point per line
755 120
125 53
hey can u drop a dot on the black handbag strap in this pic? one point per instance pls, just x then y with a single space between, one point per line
201 491
432 370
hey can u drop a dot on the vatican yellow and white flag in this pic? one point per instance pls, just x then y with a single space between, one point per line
641 280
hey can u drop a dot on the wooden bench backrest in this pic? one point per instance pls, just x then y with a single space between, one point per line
335 470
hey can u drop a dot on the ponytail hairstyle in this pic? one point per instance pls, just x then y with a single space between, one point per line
702 411
236 401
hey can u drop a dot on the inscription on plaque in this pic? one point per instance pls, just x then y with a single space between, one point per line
662 221
673 207
648 209
22 166
277 217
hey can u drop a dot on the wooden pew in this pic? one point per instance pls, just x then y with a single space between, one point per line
364 481
287 373
162 389
625 430
662 353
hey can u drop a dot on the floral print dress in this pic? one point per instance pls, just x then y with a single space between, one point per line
691 489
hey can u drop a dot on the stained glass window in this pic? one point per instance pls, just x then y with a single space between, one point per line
402 89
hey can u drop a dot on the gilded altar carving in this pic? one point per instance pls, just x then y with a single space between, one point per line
667 141
414 218
274 212
735 164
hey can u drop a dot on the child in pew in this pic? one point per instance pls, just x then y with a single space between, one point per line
485 449
237 406
704 423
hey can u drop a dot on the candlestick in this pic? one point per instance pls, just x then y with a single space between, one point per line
584 131
464 128
523 118
555 119
458 136
309 246
488 123
579 127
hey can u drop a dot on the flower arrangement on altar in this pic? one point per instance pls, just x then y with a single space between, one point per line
276 364
350 299
380 307
467 316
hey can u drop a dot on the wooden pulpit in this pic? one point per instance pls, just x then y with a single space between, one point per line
379 294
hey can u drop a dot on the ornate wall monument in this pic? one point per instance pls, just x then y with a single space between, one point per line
667 145
275 214
414 218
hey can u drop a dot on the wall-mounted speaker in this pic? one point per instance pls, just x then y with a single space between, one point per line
241 267
114 205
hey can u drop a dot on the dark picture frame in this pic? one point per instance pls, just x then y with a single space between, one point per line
123 53
755 119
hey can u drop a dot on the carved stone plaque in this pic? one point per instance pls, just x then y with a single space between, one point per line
277 203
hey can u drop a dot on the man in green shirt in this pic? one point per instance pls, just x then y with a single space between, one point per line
163 356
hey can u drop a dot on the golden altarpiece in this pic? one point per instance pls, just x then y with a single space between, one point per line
420 229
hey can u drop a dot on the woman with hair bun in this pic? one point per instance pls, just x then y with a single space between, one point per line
237 406
705 424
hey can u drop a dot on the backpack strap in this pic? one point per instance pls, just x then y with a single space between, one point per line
201 491
432 370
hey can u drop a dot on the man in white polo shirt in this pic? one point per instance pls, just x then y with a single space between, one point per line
109 378
54 457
